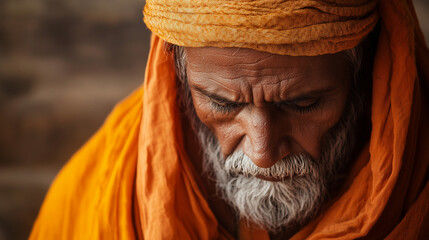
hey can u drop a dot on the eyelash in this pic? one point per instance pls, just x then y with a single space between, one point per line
306 109
224 109
231 107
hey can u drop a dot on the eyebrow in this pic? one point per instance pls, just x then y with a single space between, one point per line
309 95
213 95
304 96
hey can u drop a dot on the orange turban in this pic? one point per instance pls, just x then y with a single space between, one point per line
134 178
294 27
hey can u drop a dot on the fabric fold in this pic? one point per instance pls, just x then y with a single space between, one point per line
172 206
283 27
140 150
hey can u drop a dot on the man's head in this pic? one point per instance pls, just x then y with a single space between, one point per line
276 130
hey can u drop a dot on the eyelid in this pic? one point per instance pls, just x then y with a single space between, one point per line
212 96
221 101
305 102
301 109
224 109
228 104
295 101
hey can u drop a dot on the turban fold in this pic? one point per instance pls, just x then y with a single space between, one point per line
295 27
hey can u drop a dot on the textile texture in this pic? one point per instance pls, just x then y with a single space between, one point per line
134 178
294 27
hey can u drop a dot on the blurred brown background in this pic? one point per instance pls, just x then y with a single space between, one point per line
63 65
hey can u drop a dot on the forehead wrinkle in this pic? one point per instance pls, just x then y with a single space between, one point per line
263 68
259 61
222 74
280 82
237 54
216 76
262 72
238 70
272 73
225 59
246 90
290 85
258 95
214 83
223 85
273 92
247 87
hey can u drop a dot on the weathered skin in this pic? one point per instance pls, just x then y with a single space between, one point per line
265 104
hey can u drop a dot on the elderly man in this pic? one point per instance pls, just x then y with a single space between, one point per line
257 120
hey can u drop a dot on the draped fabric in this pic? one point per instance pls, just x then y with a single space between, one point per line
171 204
293 27
93 195
134 177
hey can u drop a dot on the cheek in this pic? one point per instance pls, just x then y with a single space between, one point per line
309 132
306 131
225 128
203 109
308 136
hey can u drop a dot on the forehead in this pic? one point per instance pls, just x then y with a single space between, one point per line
242 73
239 58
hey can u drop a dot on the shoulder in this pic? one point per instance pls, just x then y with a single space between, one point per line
93 194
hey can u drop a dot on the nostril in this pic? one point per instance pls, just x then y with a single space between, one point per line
267 153
265 141
263 158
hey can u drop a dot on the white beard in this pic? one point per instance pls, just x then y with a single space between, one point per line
271 205
304 183
302 187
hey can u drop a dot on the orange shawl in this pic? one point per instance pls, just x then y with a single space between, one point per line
134 178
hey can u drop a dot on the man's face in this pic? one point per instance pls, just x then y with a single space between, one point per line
272 127
269 106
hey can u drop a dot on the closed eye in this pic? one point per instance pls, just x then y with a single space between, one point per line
218 103
301 105
225 107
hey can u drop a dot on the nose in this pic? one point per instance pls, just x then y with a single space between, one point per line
265 141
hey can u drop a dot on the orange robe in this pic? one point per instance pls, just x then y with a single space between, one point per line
134 179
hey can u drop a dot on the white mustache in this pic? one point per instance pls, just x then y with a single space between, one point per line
293 165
